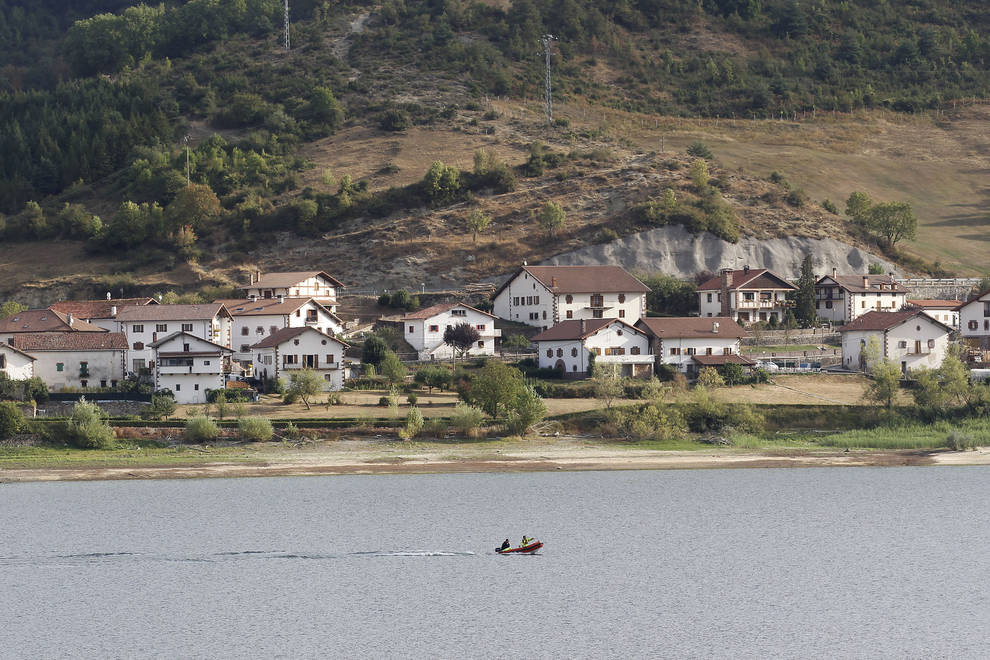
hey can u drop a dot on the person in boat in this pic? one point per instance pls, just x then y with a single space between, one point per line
526 541
505 545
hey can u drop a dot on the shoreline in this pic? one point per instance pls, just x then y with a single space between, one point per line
363 457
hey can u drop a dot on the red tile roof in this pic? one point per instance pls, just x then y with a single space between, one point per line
268 306
752 278
934 304
885 320
171 312
429 312
4 346
577 329
854 283
97 309
71 341
691 326
582 279
45 320
285 334
288 279
164 340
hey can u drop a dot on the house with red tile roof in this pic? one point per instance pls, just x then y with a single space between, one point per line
974 320
33 321
569 345
290 350
147 324
424 330
102 313
843 298
76 360
749 295
15 363
253 320
190 366
545 295
910 339
691 342
946 311
317 284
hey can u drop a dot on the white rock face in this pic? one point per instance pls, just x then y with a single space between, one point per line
675 251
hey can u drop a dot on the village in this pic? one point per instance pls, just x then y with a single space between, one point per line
573 317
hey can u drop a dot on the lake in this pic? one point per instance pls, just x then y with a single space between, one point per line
842 562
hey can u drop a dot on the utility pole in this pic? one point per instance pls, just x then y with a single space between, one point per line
186 141
286 24
547 38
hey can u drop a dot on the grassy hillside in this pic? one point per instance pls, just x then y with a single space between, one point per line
316 156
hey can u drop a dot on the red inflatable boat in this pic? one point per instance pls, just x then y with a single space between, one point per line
527 549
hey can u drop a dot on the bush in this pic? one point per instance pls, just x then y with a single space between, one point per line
414 424
87 429
435 428
385 401
255 429
394 120
830 206
201 429
518 341
412 399
957 441
466 420
699 149
11 419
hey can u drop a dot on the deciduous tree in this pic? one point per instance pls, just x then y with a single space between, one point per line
460 338
305 384
892 221
551 217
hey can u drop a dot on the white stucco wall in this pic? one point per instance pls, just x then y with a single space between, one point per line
217 330
16 365
315 287
919 331
309 343
101 365
262 325
190 383
574 353
426 335
518 302
680 351
974 319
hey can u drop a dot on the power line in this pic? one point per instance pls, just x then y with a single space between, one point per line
548 93
286 24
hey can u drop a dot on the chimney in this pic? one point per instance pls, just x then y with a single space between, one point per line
866 282
69 319
108 295
583 326
113 311
281 299
833 273
553 282
746 269
725 292
257 276
715 327
254 296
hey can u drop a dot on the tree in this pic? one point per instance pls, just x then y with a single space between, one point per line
527 409
551 217
477 222
607 382
496 388
669 295
438 377
442 183
373 351
858 207
10 308
699 150
732 373
392 368
413 426
699 174
875 269
460 338
892 221
325 109
11 419
886 383
196 205
708 377
162 407
804 297
304 384
87 429
945 386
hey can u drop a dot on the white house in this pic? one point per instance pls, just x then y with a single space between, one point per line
424 329
145 325
102 313
253 320
15 363
567 347
33 321
190 366
843 298
543 296
690 342
316 284
910 339
76 359
946 311
974 320
750 295
291 349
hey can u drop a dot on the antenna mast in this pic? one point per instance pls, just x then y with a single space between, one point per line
286 24
547 38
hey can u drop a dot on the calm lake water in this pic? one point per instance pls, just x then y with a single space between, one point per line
886 562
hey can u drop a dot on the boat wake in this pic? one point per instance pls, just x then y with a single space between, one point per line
235 555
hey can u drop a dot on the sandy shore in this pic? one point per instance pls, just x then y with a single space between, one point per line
371 457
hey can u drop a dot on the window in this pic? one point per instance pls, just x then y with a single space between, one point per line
481 344
84 383
206 363
618 332
597 313
902 343
244 331
3 361
973 325
986 308
137 364
103 383
412 329
330 359
569 299
574 352
185 348
828 304
515 300
196 387
245 348
295 342
84 368
598 351
709 298
931 343
727 350
458 312
271 330
862 304
573 367
137 328
544 315
622 313
434 328
536 300
178 387
549 352
708 351
161 327
569 314
187 327
597 300
560 352
692 351
634 350
986 325
622 298
480 326
260 331
529 300
290 359
675 351
138 346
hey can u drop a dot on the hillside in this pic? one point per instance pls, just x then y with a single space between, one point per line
322 149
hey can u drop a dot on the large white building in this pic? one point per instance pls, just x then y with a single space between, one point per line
910 339
15 363
145 325
568 346
316 284
76 360
190 366
543 296
946 311
750 295
424 330
843 298
974 320
690 342
293 349
255 319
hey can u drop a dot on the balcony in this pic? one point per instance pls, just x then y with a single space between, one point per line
761 304
179 370
319 366
625 359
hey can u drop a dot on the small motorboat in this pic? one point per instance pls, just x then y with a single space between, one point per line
527 549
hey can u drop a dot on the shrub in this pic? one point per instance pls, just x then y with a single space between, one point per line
291 431
414 424
435 428
958 441
830 206
385 401
255 429
162 407
395 120
699 149
518 341
87 429
11 419
412 399
466 419
201 429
